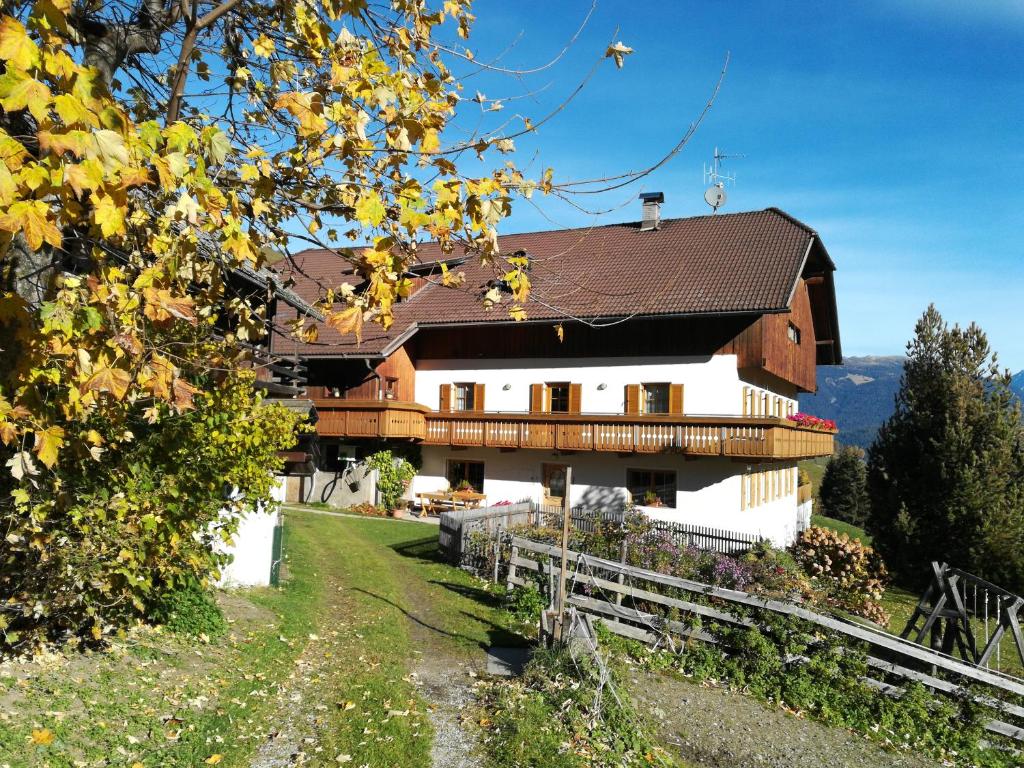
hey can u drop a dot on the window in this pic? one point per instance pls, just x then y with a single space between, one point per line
794 333
655 398
559 397
652 488
464 400
461 474
389 388
333 457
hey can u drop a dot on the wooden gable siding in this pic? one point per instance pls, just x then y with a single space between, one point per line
766 346
356 382
784 358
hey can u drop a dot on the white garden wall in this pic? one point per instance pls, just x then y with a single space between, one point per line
712 385
707 489
252 546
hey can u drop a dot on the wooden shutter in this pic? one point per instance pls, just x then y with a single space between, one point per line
478 397
575 394
536 398
446 397
675 398
632 398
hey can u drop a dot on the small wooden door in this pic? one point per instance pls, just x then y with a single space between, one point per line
554 484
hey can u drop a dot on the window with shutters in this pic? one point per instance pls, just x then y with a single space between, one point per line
655 398
464 399
651 487
558 394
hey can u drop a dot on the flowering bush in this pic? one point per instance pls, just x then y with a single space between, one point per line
851 575
813 422
368 510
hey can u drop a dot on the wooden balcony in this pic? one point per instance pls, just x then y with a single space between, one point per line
391 419
736 436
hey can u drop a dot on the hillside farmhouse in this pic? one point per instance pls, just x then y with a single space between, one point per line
661 360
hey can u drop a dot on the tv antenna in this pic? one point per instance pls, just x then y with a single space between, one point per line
715 195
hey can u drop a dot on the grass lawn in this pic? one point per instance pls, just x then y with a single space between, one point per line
815 469
323 662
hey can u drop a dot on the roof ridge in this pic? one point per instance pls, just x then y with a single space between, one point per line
792 219
771 209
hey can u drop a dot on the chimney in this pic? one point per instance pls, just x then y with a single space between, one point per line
652 210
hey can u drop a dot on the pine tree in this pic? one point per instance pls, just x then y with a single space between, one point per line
843 493
946 472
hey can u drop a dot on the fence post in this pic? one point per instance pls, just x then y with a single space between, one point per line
621 578
509 582
497 555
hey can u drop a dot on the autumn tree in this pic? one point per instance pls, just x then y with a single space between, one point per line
946 472
155 149
843 492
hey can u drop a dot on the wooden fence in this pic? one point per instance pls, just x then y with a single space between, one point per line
456 526
682 535
618 594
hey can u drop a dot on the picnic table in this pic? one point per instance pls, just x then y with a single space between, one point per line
435 503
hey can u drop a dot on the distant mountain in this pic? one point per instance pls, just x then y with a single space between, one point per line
859 395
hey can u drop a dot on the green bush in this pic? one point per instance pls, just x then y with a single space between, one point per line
190 610
393 477
525 603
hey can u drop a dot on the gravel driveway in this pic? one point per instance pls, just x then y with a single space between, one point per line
718 728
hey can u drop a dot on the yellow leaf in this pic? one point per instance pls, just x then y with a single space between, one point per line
20 92
347 321
369 209
263 46
110 149
72 111
16 48
84 176
42 737
48 443
112 380
31 218
75 142
214 759
560 332
161 305
107 215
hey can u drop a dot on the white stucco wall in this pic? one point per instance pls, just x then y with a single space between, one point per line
253 545
707 489
711 385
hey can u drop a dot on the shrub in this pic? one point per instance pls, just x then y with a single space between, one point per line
190 610
99 543
525 603
393 477
851 574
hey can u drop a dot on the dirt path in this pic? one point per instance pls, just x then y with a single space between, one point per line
716 728
445 673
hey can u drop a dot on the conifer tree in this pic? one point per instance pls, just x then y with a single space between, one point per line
843 491
946 472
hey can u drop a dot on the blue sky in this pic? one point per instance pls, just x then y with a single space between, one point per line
894 129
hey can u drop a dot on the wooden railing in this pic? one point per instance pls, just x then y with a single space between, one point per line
768 438
370 418
736 436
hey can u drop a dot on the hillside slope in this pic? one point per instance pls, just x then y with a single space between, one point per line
860 394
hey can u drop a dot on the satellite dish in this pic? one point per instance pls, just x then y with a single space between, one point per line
715 197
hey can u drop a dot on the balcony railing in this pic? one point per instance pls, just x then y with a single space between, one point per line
736 436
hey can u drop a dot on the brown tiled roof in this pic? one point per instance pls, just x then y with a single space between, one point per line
728 263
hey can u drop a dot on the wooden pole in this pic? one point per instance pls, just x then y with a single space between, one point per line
566 520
